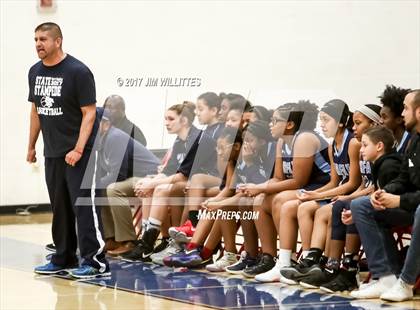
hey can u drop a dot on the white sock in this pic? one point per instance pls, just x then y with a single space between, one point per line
154 223
284 257
388 280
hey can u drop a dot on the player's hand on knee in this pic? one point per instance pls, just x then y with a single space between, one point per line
341 198
346 217
304 195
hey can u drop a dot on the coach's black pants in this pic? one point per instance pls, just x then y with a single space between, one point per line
74 211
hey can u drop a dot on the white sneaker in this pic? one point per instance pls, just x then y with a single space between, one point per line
227 259
273 275
374 290
399 292
362 286
170 250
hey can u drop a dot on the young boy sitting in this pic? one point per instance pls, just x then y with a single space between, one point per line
394 206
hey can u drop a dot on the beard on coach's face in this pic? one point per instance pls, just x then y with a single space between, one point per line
409 117
42 52
410 122
46 45
411 112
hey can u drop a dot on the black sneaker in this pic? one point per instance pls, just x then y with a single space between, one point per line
244 262
293 274
144 248
265 264
51 247
345 281
323 261
140 253
319 277
162 245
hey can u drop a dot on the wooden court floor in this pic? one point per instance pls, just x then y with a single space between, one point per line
140 286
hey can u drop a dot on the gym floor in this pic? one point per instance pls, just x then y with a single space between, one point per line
141 285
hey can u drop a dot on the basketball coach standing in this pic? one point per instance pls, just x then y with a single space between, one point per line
63 97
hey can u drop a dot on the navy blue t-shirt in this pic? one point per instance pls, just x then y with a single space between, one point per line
254 173
180 149
201 159
214 131
341 157
59 92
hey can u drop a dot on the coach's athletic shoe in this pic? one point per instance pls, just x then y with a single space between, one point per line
226 260
51 268
376 289
346 280
245 261
265 264
51 247
182 234
401 291
293 274
184 259
87 272
318 277
171 249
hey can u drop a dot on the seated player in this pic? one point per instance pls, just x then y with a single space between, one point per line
335 119
204 185
308 272
178 120
304 163
255 167
195 255
392 100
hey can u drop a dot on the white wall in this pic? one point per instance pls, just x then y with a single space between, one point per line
273 51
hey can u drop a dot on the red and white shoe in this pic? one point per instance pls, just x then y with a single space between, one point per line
182 234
